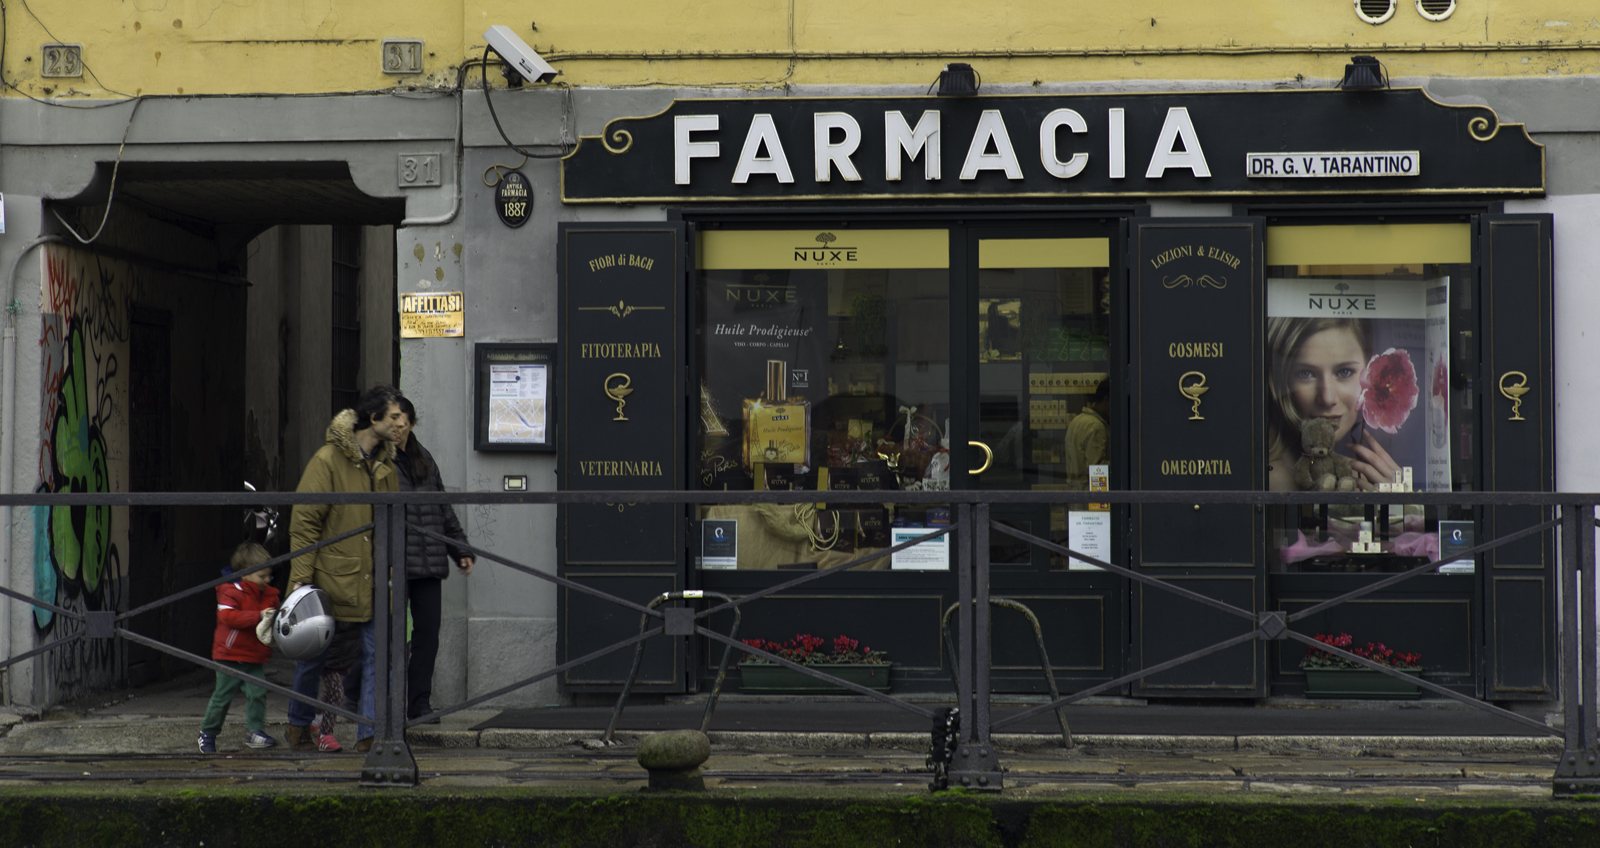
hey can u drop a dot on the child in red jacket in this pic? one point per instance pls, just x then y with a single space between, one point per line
240 607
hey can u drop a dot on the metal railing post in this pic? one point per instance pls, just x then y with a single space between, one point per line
390 762
1570 661
976 765
964 618
1585 657
982 618
1577 773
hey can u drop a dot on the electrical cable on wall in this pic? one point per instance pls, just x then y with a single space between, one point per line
566 110
112 192
500 169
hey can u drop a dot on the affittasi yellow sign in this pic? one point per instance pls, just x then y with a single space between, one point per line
432 315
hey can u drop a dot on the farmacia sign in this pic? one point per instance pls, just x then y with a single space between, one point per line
1136 145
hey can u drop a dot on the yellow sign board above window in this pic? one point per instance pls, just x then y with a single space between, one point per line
1370 244
1044 253
734 250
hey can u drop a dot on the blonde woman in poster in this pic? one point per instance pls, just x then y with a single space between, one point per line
1324 368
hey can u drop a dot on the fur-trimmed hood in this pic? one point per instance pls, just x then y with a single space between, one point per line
343 569
342 435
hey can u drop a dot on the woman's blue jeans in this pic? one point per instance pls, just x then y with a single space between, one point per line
308 677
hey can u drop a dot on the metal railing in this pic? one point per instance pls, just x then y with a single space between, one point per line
976 763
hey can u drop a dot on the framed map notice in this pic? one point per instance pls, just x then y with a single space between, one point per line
515 409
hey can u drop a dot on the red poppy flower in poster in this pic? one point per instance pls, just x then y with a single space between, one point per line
1388 390
1440 393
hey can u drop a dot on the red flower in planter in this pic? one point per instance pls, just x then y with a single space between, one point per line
1388 390
1376 651
803 649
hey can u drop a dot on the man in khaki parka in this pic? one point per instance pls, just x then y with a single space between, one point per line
358 457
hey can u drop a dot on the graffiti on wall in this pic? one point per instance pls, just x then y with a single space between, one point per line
79 552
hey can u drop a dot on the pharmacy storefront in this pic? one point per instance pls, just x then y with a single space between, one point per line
1291 291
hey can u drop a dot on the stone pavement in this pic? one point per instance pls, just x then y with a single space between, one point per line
147 736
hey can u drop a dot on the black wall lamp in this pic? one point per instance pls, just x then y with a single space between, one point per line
958 79
1364 73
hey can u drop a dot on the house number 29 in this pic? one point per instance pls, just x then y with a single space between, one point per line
418 169
62 60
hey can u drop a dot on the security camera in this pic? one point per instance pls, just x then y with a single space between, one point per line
518 55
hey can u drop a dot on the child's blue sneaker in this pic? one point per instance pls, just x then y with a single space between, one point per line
208 743
257 739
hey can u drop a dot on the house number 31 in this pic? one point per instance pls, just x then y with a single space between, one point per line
419 169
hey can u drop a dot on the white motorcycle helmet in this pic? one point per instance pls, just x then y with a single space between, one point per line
304 627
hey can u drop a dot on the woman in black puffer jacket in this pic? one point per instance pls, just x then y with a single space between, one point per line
427 559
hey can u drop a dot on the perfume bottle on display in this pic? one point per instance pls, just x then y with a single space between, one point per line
777 428
710 419
719 458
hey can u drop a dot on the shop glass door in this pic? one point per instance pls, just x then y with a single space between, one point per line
1043 415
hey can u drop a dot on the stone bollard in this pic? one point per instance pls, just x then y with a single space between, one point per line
673 759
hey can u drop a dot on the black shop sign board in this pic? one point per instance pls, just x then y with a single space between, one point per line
1241 143
621 375
1197 297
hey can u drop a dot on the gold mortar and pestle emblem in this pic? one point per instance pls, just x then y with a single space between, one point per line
618 392
1193 391
1514 392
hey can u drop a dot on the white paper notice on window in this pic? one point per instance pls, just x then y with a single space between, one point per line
719 543
1089 533
518 399
932 555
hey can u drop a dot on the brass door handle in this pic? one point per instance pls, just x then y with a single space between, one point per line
988 457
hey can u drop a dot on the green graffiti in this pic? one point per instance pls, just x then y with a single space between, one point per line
80 536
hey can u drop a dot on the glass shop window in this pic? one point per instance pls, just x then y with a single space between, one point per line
1370 358
824 365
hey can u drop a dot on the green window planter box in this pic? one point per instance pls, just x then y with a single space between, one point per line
770 679
1359 683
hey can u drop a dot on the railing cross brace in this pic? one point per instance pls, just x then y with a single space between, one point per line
679 621
100 624
1273 624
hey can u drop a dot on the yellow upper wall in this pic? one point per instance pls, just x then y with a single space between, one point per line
307 46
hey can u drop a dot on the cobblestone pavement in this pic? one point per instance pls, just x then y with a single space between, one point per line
1523 767
1037 773
148 737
